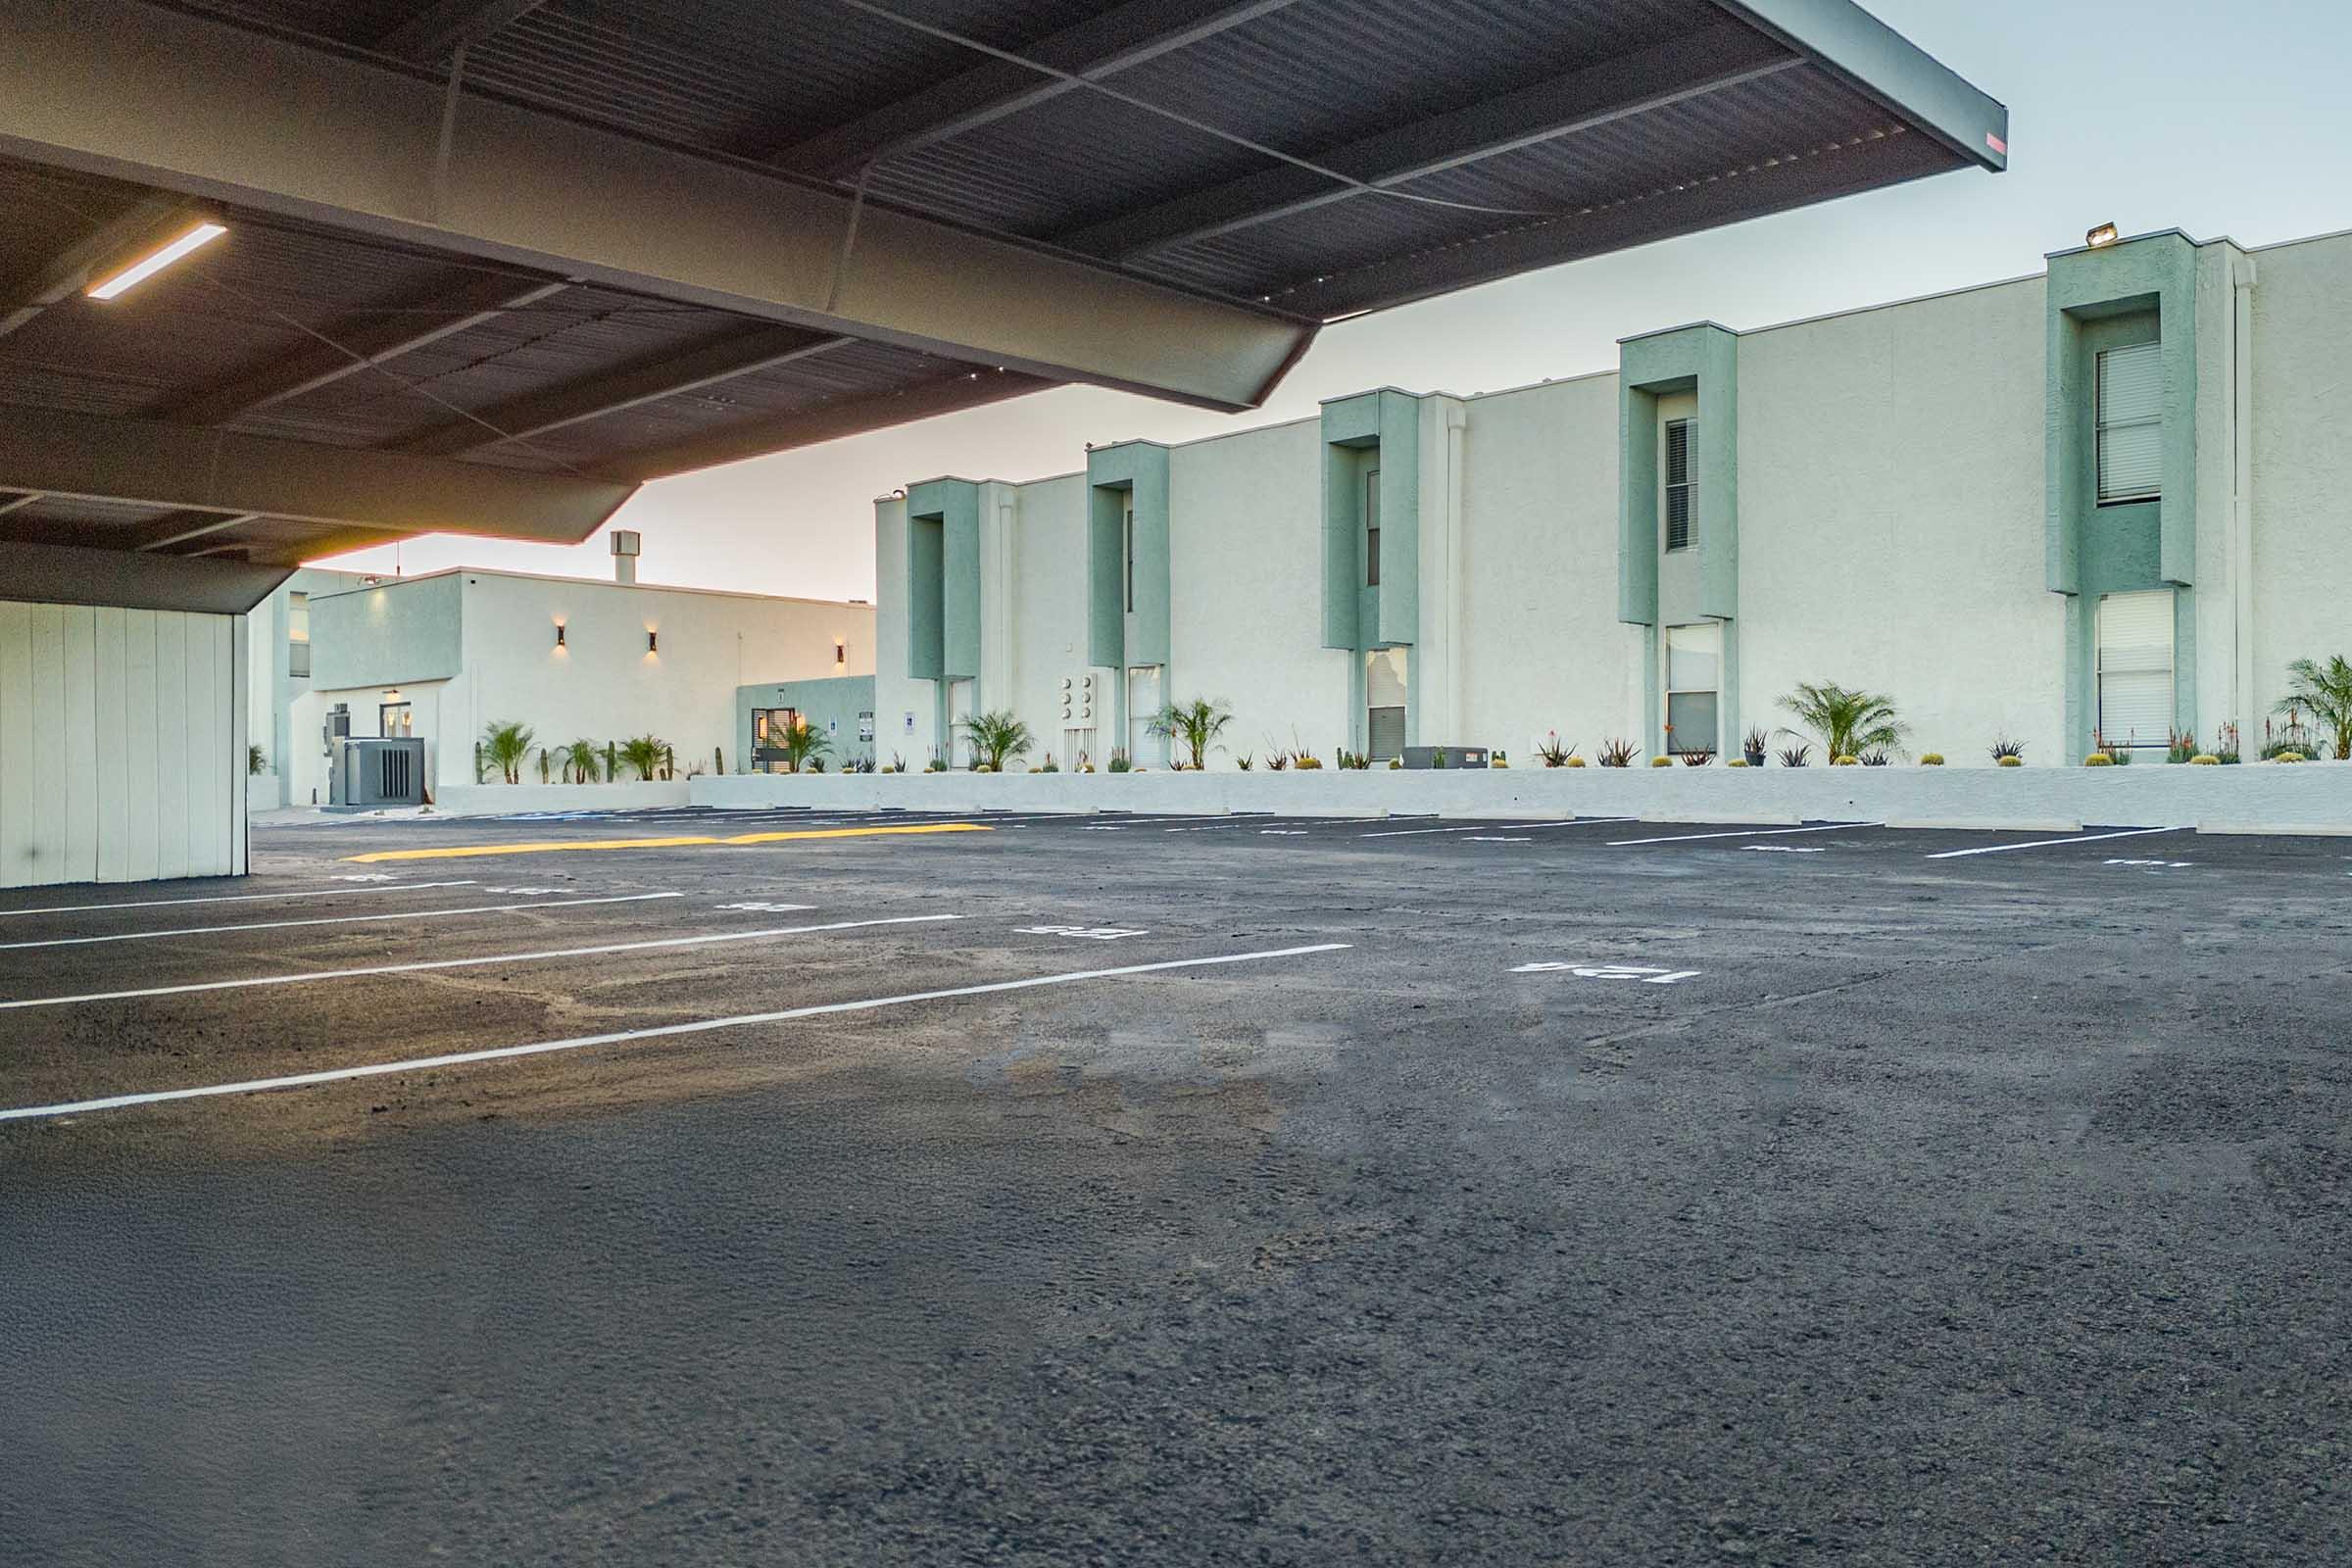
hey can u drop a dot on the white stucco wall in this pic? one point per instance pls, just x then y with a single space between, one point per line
904 717
1245 570
1545 650
1891 514
2302 463
1045 618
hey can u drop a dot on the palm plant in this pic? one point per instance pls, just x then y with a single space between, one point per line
1847 721
1197 723
2325 692
996 738
644 754
803 746
579 761
506 745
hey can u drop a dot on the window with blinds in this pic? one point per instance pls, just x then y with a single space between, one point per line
1372 529
1678 484
1385 676
2135 669
2131 393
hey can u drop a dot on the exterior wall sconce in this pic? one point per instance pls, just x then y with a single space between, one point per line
652 641
559 634
841 651
2104 234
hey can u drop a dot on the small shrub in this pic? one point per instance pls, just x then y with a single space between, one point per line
1931 758
2179 746
2205 760
1195 724
1119 763
1553 753
1753 744
1697 758
2098 760
1845 762
256 760
1661 761
1050 766
2290 757
1353 762
1308 762
1396 762
997 738
1875 757
1243 761
2011 760
1615 753
1797 755
1736 761
2008 753
1575 761
937 764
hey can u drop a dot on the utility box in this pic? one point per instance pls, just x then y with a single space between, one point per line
1445 757
377 772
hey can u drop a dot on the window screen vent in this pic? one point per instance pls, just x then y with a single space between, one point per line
1678 484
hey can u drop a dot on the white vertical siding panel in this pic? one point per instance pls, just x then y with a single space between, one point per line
200 755
240 732
77 757
17 839
49 783
139 721
110 712
172 685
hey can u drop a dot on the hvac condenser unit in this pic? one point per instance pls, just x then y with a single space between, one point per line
374 772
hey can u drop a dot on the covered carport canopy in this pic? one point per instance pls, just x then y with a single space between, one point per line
490 264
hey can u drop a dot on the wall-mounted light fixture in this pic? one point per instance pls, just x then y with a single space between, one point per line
2104 234
840 652
652 641
559 634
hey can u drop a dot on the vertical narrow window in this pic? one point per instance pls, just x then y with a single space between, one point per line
2131 416
1372 529
1386 675
1678 484
1128 526
2135 669
1693 684
298 635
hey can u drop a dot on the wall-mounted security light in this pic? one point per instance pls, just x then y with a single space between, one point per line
2104 234
184 239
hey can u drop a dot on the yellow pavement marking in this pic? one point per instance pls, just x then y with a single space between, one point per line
466 851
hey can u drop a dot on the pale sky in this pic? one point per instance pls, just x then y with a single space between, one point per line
2153 113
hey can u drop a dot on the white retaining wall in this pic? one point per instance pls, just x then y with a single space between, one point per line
2313 798
491 799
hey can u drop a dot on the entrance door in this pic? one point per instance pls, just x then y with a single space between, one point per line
769 727
958 743
1144 703
1385 676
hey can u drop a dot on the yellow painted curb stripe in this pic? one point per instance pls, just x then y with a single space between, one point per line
467 851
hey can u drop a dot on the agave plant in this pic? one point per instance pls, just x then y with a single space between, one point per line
506 745
1553 754
645 754
1798 755
2325 692
1847 721
1197 723
1616 752
996 738
803 748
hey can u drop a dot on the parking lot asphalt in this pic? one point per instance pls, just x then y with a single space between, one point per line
787 1186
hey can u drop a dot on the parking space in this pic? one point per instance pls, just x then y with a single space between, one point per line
1893 1143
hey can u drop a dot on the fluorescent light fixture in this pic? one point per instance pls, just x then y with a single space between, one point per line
2104 234
153 262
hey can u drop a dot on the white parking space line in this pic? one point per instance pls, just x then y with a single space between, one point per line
239 897
2045 843
1496 827
1751 833
667 1031
430 964
333 919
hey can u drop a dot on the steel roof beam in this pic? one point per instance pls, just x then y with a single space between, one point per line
276 126
1122 38
68 272
149 462
439 30
181 527
373 342
735 354
1883 65
827 421
1721 56
66 574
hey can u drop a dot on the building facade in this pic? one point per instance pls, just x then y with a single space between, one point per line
2107 503
442 657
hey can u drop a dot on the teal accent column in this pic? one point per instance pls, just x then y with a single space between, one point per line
2140 292
943 568
1133 472
1372 430
1702 360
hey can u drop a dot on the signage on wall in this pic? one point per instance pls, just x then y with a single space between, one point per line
866 724
832 727
910 722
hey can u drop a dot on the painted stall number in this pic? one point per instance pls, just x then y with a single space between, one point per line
1092 933
768 909
1647 974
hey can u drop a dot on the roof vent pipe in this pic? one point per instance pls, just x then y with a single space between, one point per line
625 555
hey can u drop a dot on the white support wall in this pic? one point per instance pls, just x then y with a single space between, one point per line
121 744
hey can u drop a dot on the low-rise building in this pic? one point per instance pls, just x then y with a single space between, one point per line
2104 503
443 656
